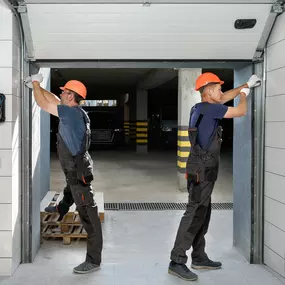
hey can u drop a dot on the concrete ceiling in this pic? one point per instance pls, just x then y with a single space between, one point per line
103 77
224 74
123 78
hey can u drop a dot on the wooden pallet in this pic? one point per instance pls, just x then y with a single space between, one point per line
55 232
52 198
70 226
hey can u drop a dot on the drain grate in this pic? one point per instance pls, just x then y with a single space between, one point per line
151 206
222 206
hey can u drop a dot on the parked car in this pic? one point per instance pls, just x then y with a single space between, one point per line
106 126
169 126
163 128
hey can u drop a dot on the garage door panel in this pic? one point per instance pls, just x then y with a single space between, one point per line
151 30
130 31
151 50
146 38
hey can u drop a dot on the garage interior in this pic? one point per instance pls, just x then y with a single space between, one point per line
127 174
123 173
139 241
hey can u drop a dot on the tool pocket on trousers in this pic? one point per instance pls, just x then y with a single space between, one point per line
194 193
84 166
71 177
211 173
195 175
82 195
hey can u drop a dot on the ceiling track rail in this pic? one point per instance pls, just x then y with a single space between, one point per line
142 64
22 10
276 9
145 3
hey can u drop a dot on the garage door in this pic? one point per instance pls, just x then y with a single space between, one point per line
155 30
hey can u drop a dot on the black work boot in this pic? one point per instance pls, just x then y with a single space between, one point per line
86 267
181 271
207 264
55 209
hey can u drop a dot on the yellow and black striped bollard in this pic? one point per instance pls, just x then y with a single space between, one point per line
142 132
183 148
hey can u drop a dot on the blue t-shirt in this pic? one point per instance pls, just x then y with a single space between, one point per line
210 121
72 127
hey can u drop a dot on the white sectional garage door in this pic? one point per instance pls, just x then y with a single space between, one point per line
134 31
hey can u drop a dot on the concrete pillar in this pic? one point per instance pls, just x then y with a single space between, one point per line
187 98
141 122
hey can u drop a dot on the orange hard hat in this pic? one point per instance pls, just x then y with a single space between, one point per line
76 86
206 78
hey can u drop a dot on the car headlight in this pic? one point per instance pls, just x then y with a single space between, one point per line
166 129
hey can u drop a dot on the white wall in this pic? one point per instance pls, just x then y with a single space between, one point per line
10 152
274 228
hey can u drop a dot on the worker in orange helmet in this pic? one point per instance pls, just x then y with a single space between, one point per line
73 142
205 137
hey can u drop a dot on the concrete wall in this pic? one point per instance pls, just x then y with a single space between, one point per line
274 200
10 151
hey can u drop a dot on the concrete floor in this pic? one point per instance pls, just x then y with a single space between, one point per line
136 251
127 177
137 244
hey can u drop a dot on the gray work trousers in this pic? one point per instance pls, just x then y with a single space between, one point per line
82 196
194 224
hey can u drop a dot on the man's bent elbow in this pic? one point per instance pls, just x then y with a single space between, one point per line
234 112
244 113
42 105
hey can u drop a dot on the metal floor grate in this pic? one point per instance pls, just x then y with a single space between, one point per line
151 206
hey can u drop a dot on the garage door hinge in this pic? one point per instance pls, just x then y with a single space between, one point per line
29 59
258 56
146 3
278 7
22 9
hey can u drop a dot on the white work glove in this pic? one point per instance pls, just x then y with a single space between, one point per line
36 77
28 82
246 91
253 81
